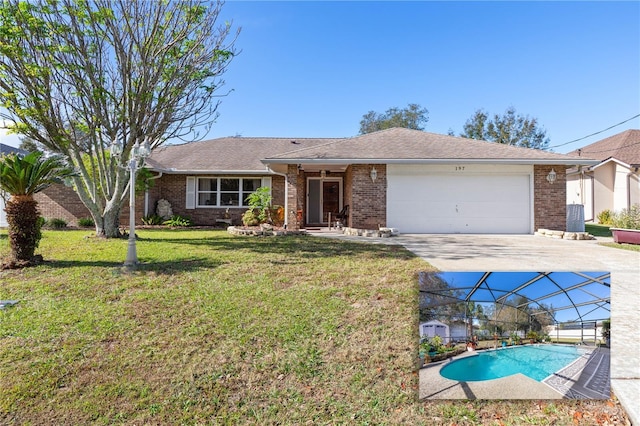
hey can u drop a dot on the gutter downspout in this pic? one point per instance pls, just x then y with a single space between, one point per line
286 196
629 175
146 195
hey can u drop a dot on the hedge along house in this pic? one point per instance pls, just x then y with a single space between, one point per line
414 181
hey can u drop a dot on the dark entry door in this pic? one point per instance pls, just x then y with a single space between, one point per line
323 198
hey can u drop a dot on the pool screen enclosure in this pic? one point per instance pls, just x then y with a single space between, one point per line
517 304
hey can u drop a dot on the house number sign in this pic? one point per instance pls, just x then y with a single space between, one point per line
459 168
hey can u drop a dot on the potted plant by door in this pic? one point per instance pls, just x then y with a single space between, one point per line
625 225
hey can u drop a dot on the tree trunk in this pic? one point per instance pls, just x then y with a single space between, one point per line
105 213
24 230
108 223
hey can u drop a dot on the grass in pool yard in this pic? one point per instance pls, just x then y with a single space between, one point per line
214 329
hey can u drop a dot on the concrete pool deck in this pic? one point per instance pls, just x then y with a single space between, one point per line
587 377
517 386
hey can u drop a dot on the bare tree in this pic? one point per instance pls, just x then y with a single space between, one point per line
79 75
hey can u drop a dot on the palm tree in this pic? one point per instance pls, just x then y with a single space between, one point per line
22 177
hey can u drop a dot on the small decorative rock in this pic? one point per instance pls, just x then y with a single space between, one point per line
388 232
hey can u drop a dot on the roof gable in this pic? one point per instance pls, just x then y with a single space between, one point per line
406 145
624 146
399 145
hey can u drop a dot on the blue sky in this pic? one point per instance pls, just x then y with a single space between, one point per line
312 69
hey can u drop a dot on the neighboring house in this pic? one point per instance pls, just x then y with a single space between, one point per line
6 150
414 181
612 184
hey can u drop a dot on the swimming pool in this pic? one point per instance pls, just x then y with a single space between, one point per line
535 361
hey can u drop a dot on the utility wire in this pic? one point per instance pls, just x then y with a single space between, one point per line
589 151
596 133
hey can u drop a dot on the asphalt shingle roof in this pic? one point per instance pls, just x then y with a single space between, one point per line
624 146
391 145
6 150
226 154
407 144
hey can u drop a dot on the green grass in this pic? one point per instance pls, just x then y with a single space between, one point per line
630 247
214 329
597 230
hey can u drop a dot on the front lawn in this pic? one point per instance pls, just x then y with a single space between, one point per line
214 329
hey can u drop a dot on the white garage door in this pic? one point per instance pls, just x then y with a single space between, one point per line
459 199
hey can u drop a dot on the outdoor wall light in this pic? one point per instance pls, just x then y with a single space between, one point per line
373 174
552 176
323 174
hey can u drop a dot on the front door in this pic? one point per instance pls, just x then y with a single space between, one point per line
324 197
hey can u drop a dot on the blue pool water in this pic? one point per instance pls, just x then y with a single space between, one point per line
535 361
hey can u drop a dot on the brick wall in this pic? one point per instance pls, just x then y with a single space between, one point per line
348 193
295 180
61 202
550 199
173 188
368 200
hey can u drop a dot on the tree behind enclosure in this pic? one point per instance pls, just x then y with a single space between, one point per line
79 75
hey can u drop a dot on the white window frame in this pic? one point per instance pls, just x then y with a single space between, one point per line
241 194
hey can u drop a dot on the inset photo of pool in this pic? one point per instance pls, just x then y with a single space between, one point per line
514 335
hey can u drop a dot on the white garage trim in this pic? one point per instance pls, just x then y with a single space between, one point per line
460 198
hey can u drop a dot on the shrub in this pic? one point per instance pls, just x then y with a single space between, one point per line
152 219
86 222
177 221
260 202
627 218
605 216
436 344
55 223
250 218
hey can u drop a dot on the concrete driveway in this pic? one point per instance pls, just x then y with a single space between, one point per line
495 253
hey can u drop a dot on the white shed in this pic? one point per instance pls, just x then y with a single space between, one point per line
434 328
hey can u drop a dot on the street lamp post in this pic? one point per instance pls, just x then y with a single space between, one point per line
136 160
